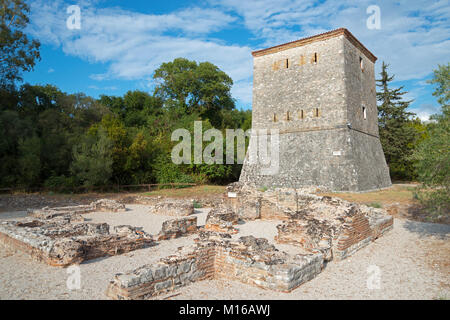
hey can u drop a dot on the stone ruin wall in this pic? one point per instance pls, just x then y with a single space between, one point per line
324 228
64 249
172 207
60 237
214 260
169 274
348 227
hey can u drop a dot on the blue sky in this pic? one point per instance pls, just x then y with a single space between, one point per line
121 43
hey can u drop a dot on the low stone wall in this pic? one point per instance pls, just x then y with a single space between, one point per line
245 203
283 277
336 237
59 243
172 207
316 223
176 228
99 205
169 274
248 260
221 219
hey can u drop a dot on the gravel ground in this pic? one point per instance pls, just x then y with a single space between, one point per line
413 260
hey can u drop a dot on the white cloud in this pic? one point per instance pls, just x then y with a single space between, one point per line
425 111
134 44
413 38
414 34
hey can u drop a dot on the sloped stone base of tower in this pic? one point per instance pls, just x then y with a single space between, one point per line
338 159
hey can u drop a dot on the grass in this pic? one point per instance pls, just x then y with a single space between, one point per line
397 193
375 205
197 191
197 205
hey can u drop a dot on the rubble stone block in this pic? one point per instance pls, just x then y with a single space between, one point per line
176 228
172 207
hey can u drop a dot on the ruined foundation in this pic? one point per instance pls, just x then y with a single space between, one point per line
323 228
59 243
60 237
99 205
249 260
318 229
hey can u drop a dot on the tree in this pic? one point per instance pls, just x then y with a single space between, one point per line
193 87
433 153
92 159
397 135
441 78
17 52
29 161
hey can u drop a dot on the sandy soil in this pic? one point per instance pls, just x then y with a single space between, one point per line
413 261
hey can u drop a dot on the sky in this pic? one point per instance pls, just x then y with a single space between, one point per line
119 43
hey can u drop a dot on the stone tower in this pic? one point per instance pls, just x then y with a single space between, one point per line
319 92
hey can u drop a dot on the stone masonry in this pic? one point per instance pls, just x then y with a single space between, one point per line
58 242
249 260
323 228
99 205
319 92
172 207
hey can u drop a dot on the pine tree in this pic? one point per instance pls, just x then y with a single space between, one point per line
396 134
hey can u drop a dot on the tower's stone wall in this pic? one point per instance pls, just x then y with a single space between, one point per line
321 97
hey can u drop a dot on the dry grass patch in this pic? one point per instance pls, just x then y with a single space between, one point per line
197 191
397 193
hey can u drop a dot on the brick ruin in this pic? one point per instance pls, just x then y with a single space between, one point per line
323 229
319 228
249 260
60 237
99 205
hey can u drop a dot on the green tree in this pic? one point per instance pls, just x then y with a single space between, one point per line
18 53
192 87
441 78
92 159
396 133
30 161
433 153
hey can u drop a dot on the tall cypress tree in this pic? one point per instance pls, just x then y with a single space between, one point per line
396 134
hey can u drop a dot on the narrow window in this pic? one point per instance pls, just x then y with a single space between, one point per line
316 112
287 63
364 113
302 115
361 63
314 58
288 116
275 117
